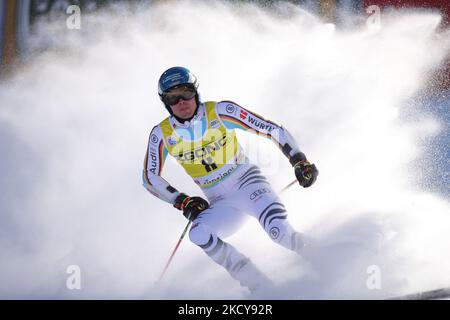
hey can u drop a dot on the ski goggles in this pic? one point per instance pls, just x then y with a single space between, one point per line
173 96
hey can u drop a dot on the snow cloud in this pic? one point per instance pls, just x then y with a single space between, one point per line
75 121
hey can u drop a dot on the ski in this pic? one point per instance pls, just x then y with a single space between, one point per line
425 295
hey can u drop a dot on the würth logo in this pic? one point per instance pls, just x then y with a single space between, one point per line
243 114
260 124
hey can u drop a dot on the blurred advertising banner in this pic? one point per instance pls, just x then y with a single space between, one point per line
27 26
21 20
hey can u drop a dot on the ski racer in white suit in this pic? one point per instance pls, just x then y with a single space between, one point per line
201 137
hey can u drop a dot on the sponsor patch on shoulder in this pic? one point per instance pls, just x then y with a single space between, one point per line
230 108
214 124
172 141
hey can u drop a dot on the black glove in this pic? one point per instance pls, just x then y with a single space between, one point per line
191 206
305 172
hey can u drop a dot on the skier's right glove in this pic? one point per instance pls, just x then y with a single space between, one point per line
305 172
191 206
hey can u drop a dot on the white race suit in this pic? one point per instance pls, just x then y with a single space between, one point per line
233 186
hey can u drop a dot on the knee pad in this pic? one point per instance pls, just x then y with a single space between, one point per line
280 231
200 234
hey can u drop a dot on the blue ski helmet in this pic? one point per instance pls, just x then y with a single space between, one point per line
174 77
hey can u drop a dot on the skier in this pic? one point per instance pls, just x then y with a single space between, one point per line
201 136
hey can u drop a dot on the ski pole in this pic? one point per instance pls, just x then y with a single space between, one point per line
175 250
184 233
287 187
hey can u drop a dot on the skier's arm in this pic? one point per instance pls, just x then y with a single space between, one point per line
153 164
234 116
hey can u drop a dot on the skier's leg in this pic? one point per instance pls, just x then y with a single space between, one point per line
259 200
273 218
206 232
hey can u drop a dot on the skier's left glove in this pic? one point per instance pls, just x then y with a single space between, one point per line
305 172
191 206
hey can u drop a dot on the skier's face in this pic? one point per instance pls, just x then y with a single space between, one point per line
184 109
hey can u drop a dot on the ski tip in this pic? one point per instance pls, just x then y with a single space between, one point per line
437 294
